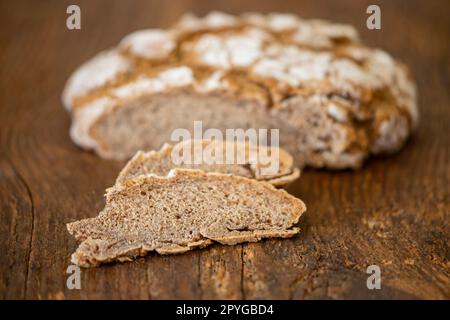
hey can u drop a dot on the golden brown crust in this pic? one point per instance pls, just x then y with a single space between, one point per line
268 58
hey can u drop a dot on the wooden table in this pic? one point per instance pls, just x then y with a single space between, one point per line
393 213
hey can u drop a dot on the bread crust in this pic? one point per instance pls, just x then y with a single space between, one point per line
275 59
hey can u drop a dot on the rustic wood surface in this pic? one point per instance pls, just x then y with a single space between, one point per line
393 213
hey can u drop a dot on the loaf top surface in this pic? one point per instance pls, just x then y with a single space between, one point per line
253 56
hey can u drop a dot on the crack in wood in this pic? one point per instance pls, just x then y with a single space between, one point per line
242 273
199 277
30 242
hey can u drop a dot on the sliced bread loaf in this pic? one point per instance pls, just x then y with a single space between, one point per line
334 100
162 161
187 209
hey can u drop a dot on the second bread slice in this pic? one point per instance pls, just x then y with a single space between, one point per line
161 162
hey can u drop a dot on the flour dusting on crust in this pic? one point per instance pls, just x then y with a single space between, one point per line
365 99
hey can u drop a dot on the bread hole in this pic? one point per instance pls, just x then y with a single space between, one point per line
143 193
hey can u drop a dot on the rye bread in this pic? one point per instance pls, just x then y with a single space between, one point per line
161 162
334 100
185 210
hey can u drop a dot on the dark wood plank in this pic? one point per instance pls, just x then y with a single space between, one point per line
16 229
393 213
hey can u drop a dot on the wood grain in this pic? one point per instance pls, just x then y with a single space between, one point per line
393 213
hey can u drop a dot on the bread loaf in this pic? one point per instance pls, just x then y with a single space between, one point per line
334 100
185 210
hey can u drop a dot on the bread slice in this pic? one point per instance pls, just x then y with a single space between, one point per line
161 162
187 209
334 100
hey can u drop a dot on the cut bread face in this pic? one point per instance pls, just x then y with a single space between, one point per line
187 209
334 100
147 122
270 164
